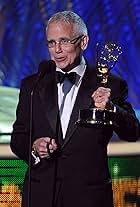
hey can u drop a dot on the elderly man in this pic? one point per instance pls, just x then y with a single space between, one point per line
72 170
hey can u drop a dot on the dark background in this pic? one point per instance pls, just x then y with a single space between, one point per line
23 41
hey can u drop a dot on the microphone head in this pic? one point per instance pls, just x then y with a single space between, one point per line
46 67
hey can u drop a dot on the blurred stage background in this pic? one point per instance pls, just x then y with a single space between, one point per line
23 46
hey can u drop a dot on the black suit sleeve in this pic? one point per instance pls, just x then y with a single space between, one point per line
20 136
127 125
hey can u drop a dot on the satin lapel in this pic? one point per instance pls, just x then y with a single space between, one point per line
48 94
83 101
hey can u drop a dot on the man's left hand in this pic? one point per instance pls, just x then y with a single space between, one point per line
101 97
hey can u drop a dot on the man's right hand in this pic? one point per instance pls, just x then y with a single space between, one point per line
44 146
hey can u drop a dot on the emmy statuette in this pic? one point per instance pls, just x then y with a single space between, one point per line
107 56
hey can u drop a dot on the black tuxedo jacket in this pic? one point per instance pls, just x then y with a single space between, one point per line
78 173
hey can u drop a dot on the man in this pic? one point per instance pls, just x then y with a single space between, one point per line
73 169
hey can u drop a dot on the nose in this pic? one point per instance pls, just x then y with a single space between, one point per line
58 47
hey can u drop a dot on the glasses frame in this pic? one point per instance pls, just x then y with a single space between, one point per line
73 41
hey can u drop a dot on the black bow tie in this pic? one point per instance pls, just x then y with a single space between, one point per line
70 76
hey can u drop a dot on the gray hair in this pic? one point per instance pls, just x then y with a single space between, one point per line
70 18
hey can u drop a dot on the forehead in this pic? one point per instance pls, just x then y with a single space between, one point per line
58 30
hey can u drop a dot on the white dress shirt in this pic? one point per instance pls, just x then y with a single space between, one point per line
66 110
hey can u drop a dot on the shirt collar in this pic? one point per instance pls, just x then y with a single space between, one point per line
80 69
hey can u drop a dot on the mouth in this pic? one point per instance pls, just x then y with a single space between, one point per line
60 59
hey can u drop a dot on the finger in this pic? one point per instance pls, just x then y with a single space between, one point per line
52 147
41 142
51 151
41 152
102 101
103 89
47 139
45 155
103 92
100 106
93 94
54 144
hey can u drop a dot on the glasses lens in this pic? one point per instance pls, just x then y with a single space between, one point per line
63 42
51 43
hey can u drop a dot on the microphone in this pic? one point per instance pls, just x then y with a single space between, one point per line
45 67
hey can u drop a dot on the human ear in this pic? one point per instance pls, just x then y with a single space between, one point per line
84 42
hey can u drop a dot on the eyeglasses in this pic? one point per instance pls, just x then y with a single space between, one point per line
63 42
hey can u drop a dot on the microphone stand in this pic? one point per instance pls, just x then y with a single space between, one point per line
30 135
30 140
30 146
44 67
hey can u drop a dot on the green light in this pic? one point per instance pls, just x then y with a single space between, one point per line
116 169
